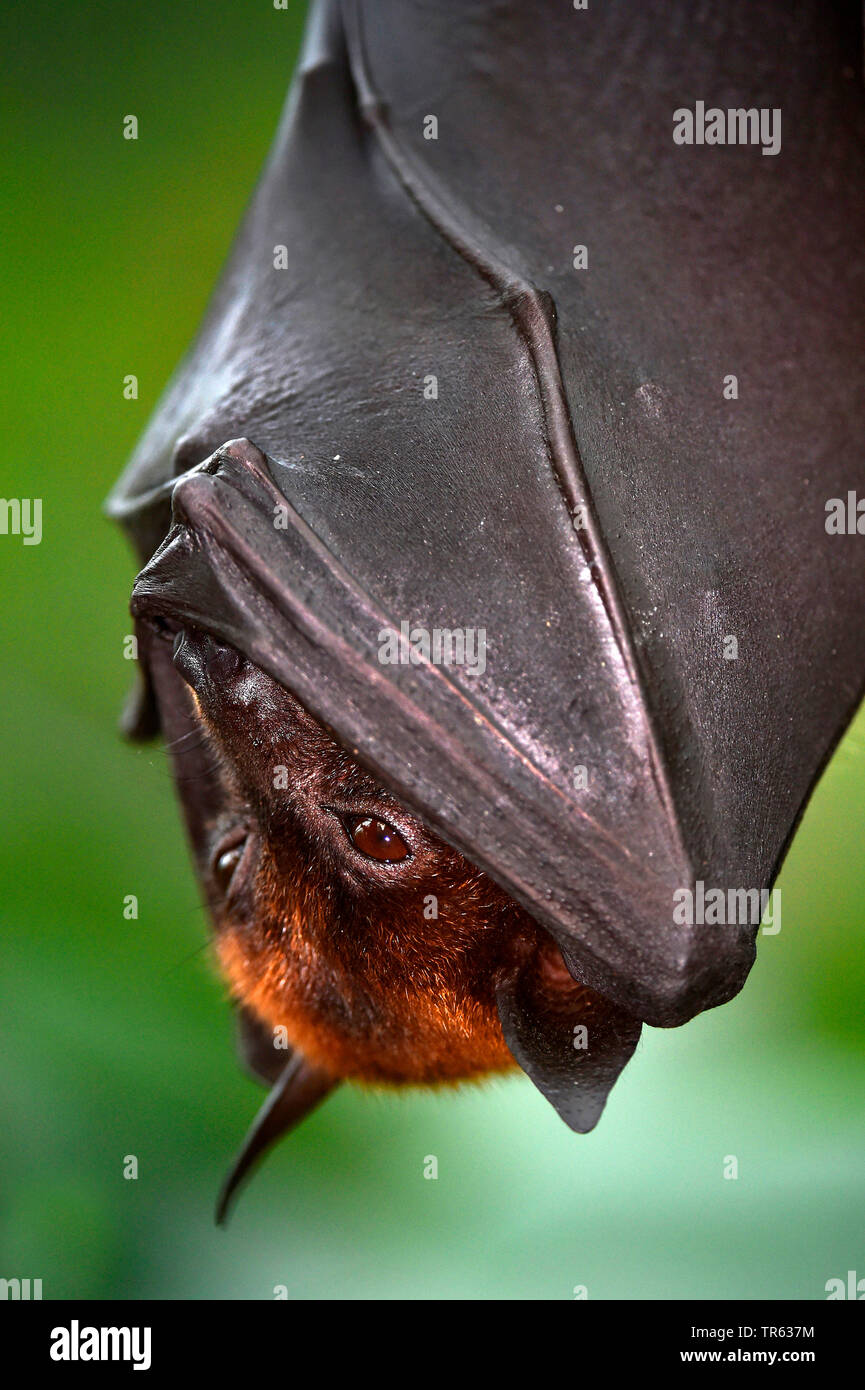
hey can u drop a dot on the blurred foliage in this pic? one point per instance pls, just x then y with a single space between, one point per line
116 1037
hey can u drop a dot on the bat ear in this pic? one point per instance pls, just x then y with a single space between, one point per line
257 1049
298 1091
571 1042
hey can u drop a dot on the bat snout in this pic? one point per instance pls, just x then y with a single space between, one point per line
199 658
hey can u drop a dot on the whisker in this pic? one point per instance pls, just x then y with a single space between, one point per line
197 776
184 960
176 742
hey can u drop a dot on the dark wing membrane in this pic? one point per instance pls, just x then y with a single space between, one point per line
430 734
436 395
704 263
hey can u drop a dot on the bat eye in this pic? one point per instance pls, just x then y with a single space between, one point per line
376 839
223 870
230 859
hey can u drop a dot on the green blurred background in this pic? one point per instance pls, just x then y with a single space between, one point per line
116 1035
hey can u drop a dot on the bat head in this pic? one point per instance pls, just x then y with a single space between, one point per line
357 943
340 918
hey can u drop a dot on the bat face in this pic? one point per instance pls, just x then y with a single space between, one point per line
341 921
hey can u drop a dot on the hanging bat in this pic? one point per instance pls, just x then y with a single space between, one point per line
496 606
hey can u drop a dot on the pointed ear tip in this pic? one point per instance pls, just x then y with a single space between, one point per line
585 1120
582 1126
225 1201
299 1090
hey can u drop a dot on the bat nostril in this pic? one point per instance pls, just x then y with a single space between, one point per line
222 661
199 657
187 658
